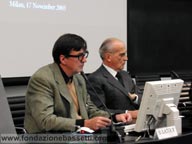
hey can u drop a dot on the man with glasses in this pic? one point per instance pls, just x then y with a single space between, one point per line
111 83
57 99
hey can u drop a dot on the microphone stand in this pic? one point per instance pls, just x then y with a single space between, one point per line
112 127
190 88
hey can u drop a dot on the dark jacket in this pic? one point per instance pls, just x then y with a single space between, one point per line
111 92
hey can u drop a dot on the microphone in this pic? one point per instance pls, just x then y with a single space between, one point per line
112 127
174 75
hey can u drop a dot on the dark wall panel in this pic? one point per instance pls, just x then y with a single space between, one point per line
159 36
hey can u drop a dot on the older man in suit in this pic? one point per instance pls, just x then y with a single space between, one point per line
111 83
57 99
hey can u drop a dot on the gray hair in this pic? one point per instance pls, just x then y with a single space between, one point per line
106 46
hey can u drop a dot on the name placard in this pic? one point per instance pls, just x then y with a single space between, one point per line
166 132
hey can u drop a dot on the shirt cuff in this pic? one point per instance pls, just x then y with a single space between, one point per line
80 122
136 99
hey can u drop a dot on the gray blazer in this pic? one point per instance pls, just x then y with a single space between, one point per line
49 106
111 92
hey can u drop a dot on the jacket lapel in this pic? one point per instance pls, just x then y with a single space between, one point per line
82 105
65 93
63 88
116 84
61 83
113 81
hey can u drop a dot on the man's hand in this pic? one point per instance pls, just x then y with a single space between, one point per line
133 113
133 96
97 123
125 117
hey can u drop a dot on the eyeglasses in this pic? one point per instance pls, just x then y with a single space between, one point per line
81 56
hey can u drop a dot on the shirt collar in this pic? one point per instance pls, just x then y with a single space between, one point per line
66 78
110 70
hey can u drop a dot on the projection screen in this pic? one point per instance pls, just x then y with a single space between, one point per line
29 28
